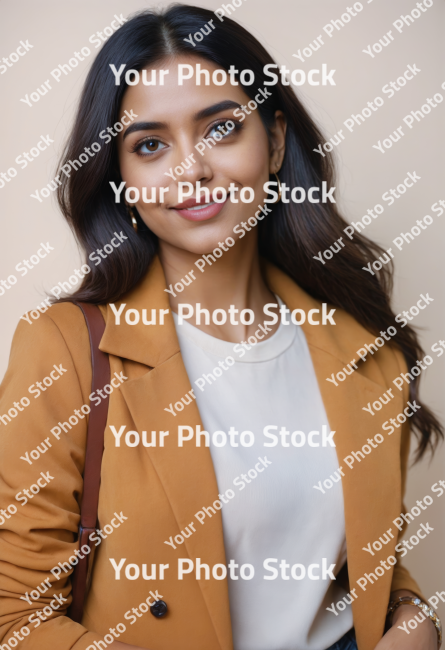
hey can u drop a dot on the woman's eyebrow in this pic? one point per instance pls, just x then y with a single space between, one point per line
215 108
144 126
205 112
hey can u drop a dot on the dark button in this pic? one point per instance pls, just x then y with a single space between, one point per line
159 608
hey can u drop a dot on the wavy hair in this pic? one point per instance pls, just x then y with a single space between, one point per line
289 240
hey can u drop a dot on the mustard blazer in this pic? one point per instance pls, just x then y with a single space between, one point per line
159 489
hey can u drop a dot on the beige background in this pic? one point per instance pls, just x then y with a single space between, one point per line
57 29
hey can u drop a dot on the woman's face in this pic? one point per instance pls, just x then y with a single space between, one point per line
171 120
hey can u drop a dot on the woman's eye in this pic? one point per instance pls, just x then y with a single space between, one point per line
150 146
220 128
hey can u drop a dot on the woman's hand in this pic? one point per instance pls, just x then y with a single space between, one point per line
424 637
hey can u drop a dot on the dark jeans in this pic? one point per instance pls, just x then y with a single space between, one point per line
347 642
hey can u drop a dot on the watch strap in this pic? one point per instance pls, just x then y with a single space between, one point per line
424 607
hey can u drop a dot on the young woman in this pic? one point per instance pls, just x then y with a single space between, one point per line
256 540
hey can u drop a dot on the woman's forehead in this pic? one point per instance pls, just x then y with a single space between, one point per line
171 97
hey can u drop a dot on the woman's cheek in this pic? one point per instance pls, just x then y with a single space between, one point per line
249 162
149 187
247 167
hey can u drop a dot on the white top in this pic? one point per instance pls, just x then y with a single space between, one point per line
278 514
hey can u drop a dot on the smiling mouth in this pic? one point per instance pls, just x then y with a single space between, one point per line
201 206
194 211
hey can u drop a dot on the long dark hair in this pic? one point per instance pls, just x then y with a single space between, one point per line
289 240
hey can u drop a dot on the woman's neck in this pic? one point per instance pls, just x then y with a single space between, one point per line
233 279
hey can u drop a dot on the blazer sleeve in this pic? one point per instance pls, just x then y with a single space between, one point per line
42 529
401 576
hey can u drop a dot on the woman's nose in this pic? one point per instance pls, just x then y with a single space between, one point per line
193 167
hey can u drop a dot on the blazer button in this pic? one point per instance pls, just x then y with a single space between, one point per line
159 608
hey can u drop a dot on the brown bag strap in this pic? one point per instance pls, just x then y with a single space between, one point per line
93 458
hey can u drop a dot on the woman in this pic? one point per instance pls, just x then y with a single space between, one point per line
278 414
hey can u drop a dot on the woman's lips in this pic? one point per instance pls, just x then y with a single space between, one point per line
194 211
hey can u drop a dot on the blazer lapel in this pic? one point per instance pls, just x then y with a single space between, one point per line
186 473
372 487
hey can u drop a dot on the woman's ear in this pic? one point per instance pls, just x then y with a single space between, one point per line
277 142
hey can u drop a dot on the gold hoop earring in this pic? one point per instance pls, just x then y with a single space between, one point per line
132 217
279 189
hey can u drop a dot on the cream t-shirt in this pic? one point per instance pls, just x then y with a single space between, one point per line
275 513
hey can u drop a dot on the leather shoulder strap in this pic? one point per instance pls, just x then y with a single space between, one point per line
93 458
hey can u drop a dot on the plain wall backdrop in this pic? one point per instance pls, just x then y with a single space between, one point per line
58 28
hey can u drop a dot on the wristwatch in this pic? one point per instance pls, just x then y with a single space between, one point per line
426 609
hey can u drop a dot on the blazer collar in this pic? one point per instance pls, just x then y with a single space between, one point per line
152 345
